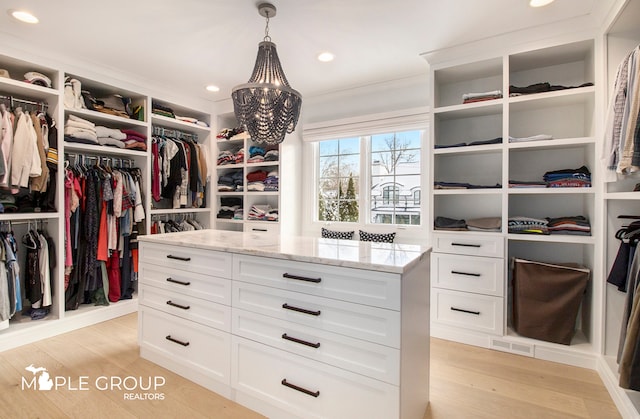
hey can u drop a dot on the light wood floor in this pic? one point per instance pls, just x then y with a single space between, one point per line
466 382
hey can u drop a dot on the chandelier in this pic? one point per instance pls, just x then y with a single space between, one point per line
266 106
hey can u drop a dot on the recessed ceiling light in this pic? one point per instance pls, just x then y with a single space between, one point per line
23 16
325 57
539 3
213 88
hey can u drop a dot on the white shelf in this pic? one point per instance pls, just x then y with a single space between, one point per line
631 196
481 191
229 220
466 110
102 150
549 191
160 211
552 238
266 163
222 193
23 90
167 122
536 101
230 166
101 117
551 144
470 149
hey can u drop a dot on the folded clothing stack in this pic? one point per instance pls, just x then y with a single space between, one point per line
227 213
528 225
527 184
229 157
229 206
79 130
576 224
479 97
191 120
238 133
565 178
256 180
256 154
230 182
272 155
111 137
262 212
497 140
463 185
540 88
452 224
493 224
162 110
135 140
271 181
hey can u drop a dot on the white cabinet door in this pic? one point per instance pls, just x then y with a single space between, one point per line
362 357
480 275
374 288
193 345
187 307
472 311
207 262
359 321
469 244
306 388
207 287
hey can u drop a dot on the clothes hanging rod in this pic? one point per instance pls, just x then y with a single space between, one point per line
13 223
25 101
170 132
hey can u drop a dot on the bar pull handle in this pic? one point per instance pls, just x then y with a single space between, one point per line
464 273
179 342
301 278
461 310
175 281
300 310
466 245
259 229
300 341
300 389
187 259
171 303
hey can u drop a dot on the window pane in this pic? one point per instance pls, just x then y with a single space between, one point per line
328 210
349 165
395 177
350 146
328 166
350 187
329 148
348 210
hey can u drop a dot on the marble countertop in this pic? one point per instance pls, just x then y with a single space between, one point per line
384 257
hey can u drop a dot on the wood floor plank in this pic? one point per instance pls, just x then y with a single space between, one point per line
466 382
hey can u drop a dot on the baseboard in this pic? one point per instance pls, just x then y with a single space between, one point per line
619 395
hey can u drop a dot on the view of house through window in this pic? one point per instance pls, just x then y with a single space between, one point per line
393 192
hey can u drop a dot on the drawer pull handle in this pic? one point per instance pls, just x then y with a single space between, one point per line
259 229
466 245
179 342
171 303
187 259
300 389
302 278
464 273
300 310
175 281
477 313
300 341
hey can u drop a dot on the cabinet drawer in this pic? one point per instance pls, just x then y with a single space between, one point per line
468 273
472 311
307 388
189 259
366 358
358 321
211 288
265 227
469 244
187 307
191 344
373 288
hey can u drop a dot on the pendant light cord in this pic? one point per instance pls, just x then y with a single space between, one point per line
266 29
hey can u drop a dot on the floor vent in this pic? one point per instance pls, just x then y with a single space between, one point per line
512 347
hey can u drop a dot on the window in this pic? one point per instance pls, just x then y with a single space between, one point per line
339 174
391 165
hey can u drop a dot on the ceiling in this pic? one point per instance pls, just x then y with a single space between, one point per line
189 44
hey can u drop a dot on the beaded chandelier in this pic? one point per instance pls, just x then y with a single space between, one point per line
266 106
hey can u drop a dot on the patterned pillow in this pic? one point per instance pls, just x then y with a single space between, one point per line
376 237
329 234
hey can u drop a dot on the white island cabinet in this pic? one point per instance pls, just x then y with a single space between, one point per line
291 327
